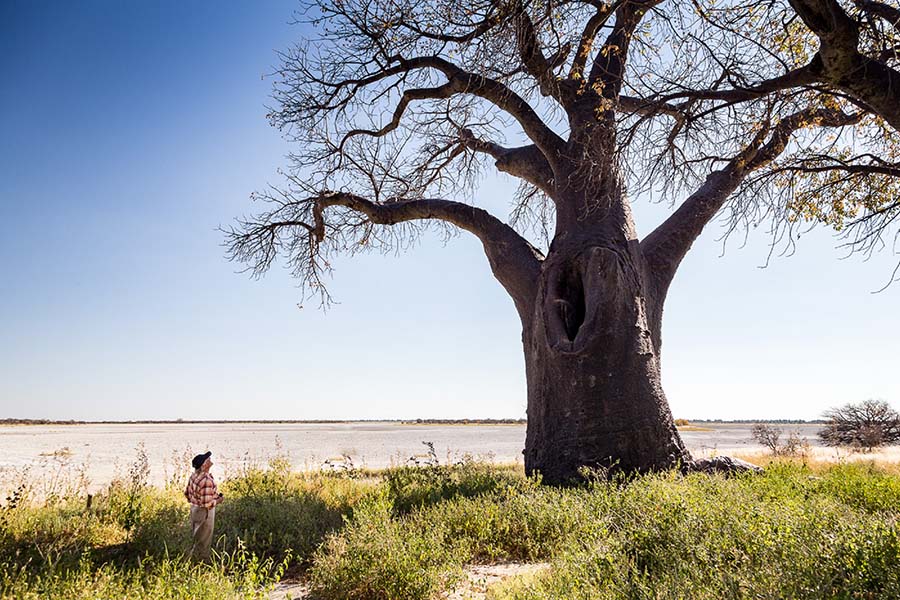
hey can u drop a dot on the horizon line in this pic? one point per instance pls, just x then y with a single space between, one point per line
473 421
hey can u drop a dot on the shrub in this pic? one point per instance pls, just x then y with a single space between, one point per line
274 512
370 556
526 523
414 486
377 557
778 535
770 437
866 425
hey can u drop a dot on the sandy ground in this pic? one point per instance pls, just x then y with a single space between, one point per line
290 590
478 579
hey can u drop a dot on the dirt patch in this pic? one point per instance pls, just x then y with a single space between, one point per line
480 577
290 590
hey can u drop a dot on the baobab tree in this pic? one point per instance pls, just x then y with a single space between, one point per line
397 107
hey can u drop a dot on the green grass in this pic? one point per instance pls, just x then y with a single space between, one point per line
133 539
785 534
796 531
792 532
231 576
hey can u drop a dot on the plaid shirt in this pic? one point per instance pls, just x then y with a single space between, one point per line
201 490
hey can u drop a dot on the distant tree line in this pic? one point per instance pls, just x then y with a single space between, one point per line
752 421
265 421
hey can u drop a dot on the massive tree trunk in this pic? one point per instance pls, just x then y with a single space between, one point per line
592 355
594 392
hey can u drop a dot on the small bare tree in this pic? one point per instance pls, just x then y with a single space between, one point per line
767 435
866 425
770 437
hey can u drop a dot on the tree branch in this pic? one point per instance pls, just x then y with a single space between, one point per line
536 64
649 107
514 262
799 77
666 246
497 93
589 35
882 10
608 69
339 94
454 86
842 65
855 169
489 21
524 162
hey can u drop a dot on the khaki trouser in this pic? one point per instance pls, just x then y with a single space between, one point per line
202 522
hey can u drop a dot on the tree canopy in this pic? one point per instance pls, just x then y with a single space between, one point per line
791 108
867 425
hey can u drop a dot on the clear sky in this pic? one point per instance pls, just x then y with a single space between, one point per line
130 131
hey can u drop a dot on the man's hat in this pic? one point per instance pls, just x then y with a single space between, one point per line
200 459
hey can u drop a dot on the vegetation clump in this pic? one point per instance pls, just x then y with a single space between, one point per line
794 531
770 436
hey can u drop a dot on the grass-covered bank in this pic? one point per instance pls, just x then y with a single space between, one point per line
796 531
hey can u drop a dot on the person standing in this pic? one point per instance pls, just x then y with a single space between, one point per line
202 493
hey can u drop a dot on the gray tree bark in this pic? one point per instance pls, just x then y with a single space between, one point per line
593 366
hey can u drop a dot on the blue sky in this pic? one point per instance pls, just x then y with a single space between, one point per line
130 132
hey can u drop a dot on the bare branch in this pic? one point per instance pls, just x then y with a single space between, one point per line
532 56
842 65
514 262
887 12
608 69
454 86
525 162
589 35
493 18
796 78
497 93
649 107
666 246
